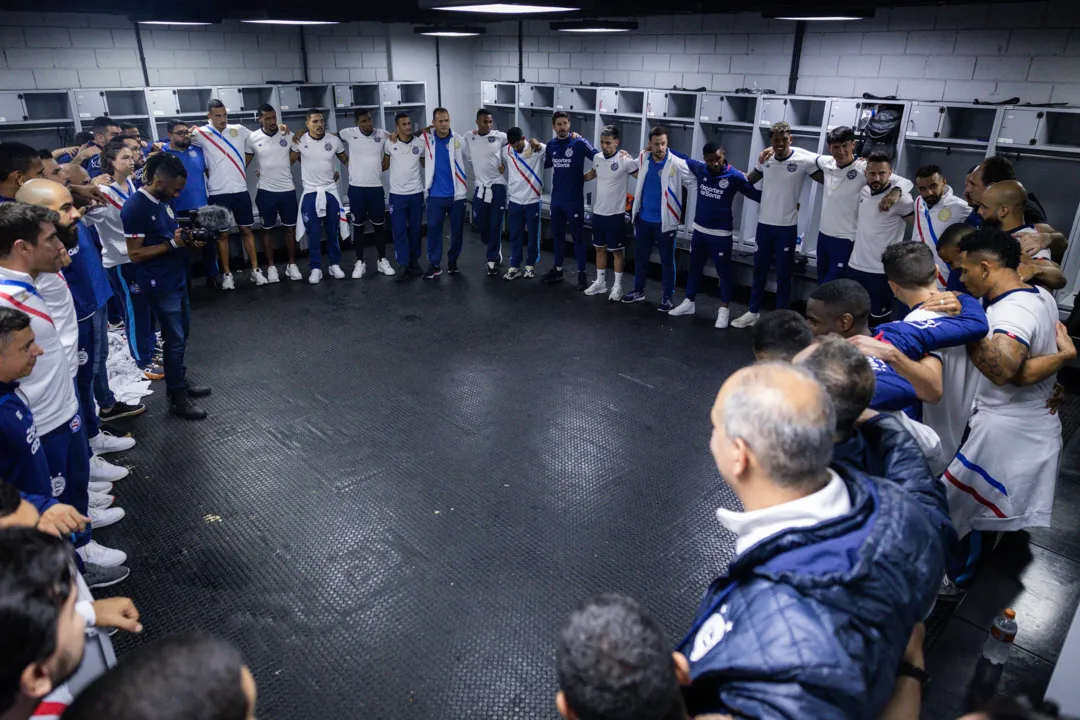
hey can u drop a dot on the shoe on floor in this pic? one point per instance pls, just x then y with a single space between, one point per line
105 471
432 272
153 371
100 486
212 282
105 442
227 282
293 272
599 287
530 272
257 277
384 267
94 553
404 273
120 410
723 317
950 591
181 406
665 305
512 274
272 275
100 501
554 275
116 326
492 269
358 270
582 280
99 576
616 293
336 272
633 296
104 517
746 320
315 277
686 307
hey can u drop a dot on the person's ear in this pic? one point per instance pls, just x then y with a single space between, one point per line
35 681
846 322
894 287
740 457
682 669
564 707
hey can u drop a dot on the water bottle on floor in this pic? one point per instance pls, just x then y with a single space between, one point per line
1002 634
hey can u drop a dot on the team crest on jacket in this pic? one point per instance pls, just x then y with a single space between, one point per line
59 484
416 151
615 165
233 132
328 147
792 167
491 139
712 632
75 423
944 214
82 357
723 183
283 142
852 174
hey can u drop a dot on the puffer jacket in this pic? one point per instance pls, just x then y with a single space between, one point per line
813 622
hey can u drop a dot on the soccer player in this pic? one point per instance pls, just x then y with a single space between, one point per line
999 169
276 196
403 156
566 155
525 185
657 213
484 149
367 199
104 130
875 231
223 146
445 153
18 164
936 208
193 196
713 226
780 336
778 218
1002 208
320 206
609 209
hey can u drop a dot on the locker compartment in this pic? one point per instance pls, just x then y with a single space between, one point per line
924 121
89 104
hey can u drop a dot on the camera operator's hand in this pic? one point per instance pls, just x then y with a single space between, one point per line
178 239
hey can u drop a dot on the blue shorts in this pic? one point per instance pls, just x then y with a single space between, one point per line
367 203
274 205
609 231
239 204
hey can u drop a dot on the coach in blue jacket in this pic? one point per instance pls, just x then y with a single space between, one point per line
832 567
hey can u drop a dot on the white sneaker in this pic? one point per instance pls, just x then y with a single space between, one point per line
336 272
686 307
100 501
271 274
616 293
227 282
104 517
102 470
745 321
100 486
94 553
315 277
723 315
293 272
598 287
104 443
257 277
358 270
384 267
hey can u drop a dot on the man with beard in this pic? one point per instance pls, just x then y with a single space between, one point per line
566 155
367 199
609 210
936 208
1002 208
276 196
18 164
193 196
320 206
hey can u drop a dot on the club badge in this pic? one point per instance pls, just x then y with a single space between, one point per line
416 151
283 142
792 167
328 147
491 139
233 132
168 209
852 174
944 214
75 423
615 165
723 183
569 152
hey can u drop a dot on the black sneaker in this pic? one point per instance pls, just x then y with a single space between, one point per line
404 273
582 282
554 275
120 410
433 271
414 266
212 282
493 269
181 406
452 269
198 391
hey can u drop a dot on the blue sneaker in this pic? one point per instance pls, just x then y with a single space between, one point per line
665 305
633 297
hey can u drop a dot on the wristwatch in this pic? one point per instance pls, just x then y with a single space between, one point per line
906 669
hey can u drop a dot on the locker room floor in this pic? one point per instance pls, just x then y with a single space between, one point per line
402 489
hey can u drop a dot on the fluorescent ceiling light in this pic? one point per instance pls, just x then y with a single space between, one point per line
172 22
595 26
449 31
506 9
823 18
291 22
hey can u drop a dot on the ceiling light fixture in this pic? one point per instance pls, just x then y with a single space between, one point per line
595 26
826 14
450 31
824 18
172 22
290 22
507 9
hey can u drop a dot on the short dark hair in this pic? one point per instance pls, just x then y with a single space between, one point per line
909 264
184 676
514 134
657 131
35 581
844 296
44 154
402 114
781 335
611 131
101 123
847 377
169 165
214 104
480 113
558 114
953 234
83 136
313 111
928 171
126 126
997 168
11 321
361 112
711 147
22 221
171 125
614 663
266 107
438 110
1000 244
840 134
878 157
15 157
10 497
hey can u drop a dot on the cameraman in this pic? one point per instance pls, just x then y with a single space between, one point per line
159 249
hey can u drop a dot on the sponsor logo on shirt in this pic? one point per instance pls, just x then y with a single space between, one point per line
32 438
792 167
851 174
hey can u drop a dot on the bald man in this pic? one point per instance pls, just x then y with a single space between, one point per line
780 635
1001 207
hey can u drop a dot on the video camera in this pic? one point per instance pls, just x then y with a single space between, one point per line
205 224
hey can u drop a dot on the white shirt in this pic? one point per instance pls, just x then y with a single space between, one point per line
525 174
611 175
1043 254
406 172
840 204
877 230
49 389
272 153
1028 315
317 159
752 527
109 226
782 185
365 156
54 289
485 152
931 222
224 153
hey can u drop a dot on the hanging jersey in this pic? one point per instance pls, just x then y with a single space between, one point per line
224 153
525 171
110 227
840 200
611 179
931 222
406 172
877 230
1028 315
318 158
485 152
272 154
782 185
567 159
365 156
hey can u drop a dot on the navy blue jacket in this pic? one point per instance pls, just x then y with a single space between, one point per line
813 622
22 459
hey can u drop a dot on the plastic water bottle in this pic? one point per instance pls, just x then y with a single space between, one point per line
1002 634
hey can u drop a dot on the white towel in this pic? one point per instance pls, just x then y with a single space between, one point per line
320 211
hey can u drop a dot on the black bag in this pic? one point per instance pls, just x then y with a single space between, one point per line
880 131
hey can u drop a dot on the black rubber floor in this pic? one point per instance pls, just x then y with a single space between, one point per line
402 489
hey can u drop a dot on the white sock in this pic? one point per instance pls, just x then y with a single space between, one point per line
618 277
601 275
